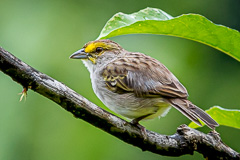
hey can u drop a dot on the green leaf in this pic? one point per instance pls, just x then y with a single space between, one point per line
190 26
226 117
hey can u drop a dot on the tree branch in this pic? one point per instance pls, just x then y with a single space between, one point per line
185 141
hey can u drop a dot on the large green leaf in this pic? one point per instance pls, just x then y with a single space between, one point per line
190 26
226 117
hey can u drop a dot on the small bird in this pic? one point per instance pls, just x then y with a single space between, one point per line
135 85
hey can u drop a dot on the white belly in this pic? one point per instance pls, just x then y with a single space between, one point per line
130 106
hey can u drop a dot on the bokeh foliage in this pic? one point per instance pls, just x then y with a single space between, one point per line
45 33
227 117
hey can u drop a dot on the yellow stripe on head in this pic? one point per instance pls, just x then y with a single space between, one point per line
91 47
95 49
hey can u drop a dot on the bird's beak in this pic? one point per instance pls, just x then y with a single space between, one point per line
80 54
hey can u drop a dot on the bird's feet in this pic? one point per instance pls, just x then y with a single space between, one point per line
143 129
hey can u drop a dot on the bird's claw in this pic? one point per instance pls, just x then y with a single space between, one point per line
142 129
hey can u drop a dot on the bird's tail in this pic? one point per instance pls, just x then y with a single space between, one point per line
193 112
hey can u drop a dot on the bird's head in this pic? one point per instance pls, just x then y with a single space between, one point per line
95 49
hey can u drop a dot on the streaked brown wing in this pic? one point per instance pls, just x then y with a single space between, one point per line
142 75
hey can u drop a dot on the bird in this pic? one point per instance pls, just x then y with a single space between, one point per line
136 85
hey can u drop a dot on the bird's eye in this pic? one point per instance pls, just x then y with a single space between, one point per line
99 49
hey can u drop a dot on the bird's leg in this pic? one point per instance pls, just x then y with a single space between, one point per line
143 129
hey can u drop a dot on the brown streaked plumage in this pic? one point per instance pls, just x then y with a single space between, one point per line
156 80
135 85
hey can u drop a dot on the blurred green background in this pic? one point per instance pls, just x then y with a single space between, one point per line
45 33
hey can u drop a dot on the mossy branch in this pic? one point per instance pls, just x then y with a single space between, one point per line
185 141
